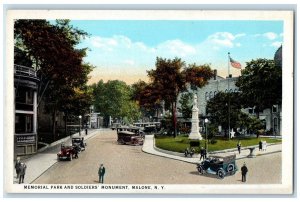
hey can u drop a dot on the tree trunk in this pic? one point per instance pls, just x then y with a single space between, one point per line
54 123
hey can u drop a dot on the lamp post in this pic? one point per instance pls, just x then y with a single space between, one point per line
206 143
79 124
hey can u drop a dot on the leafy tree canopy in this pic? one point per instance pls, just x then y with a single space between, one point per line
260 84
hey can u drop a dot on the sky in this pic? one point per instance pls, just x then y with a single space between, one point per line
126 49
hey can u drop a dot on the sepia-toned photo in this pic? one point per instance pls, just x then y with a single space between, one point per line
149 101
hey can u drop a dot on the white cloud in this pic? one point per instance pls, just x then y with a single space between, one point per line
176 48
270 35
276 44
223 39
238 45
104 43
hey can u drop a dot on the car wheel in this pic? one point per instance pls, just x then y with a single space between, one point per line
230 168
200 170
221 174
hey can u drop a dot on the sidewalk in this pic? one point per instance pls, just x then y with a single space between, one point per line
149 147
38 163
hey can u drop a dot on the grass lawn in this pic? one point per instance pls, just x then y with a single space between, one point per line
180 143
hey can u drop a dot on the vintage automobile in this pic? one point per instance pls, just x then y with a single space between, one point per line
79 142
221 165
66 152
114 126
130 135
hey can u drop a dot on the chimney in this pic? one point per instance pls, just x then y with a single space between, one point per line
215 74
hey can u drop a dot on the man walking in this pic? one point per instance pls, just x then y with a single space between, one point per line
17 166
244 170
239 147
202 153
22 172
101 173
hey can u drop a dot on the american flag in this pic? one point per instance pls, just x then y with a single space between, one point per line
234 63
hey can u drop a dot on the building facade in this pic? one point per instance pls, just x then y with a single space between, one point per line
25 86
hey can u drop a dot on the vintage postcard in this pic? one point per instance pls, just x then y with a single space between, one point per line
149 101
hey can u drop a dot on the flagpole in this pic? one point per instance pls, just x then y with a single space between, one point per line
228 96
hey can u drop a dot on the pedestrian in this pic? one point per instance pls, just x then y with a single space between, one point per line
86 131
264 146
22 172
205 153
202 153
76 148
17 166
260 145
244 170
101 173
239 147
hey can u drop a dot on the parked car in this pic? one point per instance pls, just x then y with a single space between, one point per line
79 142
66 152
220 165
114 126
130 135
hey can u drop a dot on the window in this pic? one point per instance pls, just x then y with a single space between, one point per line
226 91
215 93
275 109
211 95
206 96
251 110
24 123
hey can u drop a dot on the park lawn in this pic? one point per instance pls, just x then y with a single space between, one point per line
180 143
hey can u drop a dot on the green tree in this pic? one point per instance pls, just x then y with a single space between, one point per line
186 105
217 108
113 99
260 84
169 79
60 67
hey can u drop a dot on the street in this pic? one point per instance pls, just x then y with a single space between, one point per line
127 164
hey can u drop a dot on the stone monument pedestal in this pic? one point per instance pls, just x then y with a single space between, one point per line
195 134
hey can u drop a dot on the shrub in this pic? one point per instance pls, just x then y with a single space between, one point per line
213 141
194 143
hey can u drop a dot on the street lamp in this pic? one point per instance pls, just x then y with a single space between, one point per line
79 124
206 143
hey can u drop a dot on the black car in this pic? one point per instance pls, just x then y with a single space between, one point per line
78 143
220 165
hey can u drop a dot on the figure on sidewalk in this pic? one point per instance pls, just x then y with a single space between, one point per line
205 153
101 173
202 153
22 172
239 147
17 166
244 170
264 146
260 145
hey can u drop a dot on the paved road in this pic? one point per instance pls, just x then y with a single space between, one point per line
129 165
